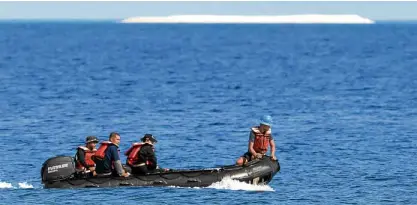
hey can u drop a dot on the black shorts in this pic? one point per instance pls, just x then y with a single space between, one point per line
248 156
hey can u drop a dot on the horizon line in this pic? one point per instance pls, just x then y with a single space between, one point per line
118 20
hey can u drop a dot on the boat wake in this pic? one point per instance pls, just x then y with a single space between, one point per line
226 183
20 185
230 184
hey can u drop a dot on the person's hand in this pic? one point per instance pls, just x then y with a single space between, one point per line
125 174
273 158
258 155
92 169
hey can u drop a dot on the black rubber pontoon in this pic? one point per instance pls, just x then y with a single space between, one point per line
255 172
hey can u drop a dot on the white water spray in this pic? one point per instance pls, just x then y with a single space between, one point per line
230 184
21 185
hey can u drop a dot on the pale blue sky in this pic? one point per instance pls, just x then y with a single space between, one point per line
120 10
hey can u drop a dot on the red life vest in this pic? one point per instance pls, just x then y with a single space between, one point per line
88 154
101 152
261 143
132 153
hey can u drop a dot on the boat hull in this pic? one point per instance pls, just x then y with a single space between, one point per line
255 172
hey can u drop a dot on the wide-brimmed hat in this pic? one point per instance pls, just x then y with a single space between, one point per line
150 137
91 139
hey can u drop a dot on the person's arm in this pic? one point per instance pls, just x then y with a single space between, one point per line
119 168
251 150
272 145
81 158
117 163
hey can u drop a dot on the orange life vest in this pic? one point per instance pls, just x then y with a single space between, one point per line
132 153
88 154
101 152
261 142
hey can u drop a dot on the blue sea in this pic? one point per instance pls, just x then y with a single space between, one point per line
343 99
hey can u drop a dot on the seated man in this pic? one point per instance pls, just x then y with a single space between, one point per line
141 156
107 158
260 138
83 157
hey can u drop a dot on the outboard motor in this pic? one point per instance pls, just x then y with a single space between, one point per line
58 168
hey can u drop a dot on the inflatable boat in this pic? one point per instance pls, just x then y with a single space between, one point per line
59 172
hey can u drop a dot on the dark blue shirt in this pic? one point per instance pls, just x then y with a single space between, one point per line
106 166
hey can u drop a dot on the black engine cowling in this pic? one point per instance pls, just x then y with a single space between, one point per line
58 168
